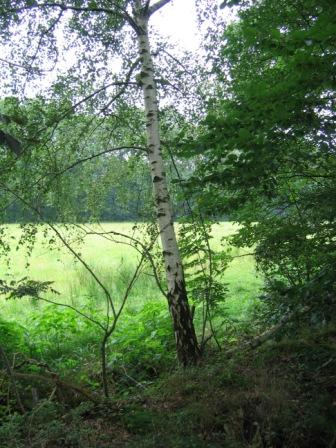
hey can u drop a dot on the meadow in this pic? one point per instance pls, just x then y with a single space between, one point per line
152 402
113 262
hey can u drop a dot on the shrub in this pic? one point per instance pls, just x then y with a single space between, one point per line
143 342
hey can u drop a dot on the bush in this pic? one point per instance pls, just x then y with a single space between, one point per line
12 338
143 342
311 303
64 339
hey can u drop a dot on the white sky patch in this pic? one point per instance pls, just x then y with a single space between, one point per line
177 23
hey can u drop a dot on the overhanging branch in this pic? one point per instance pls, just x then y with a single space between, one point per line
124 86
93 156
118 11
65 8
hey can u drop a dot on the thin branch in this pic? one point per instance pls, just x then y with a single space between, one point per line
158 5
109 331
10 374
67 245
81 260
42 36
146 251
130 286
36 410
132 379
118 11
13 64
162 50
64 8
250 254
125 84
116 83
55 379
96 322
93 156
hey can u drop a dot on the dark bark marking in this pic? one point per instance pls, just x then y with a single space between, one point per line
164 201
157 179
186 341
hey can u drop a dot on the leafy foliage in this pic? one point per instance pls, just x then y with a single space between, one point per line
25 288
142 344
264 155
12 338
268 150
204 267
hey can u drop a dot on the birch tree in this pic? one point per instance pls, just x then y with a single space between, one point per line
112 25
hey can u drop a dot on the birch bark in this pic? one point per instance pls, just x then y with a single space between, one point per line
186 341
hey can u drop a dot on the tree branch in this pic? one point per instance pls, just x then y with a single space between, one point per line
12 143
53 378
162 50
10 374
145 250
158 5
124 86
118 11
65 8
13 64
93 156
42 36
67 245
65 305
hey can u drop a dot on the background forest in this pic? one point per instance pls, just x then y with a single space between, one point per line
168 226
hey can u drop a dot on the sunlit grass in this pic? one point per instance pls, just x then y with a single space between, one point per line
114 264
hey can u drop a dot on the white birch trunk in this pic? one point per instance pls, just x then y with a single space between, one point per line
186 341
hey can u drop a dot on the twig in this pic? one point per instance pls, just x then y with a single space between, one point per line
132 379
36 409
10 374
54 378
96 322
136 242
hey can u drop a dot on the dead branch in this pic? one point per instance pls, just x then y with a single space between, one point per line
53 378
11 376
270 333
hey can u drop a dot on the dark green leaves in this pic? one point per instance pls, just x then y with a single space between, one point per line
269 142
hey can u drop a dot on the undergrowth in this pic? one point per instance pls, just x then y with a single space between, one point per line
280 395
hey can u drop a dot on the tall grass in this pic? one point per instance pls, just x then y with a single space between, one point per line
113 264
84 288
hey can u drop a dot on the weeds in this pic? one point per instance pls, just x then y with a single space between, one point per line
280 395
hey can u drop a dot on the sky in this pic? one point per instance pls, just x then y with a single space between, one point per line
178 22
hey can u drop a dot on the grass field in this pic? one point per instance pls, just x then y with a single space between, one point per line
113 263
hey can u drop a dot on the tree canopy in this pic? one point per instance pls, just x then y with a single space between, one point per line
268 154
